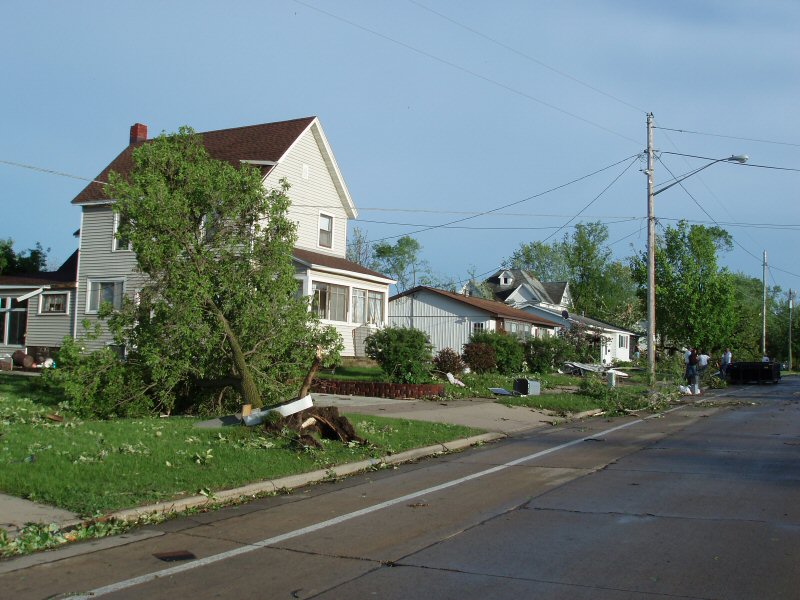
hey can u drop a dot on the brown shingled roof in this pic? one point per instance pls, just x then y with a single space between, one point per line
66 276
333 262
495 308
268 142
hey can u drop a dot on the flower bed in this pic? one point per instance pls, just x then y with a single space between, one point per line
378 389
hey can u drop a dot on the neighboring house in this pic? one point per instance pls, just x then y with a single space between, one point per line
346 295
449 319
36 311
552 301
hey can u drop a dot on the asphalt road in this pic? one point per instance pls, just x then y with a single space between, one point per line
701 502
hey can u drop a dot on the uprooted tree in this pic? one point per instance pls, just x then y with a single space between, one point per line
219 303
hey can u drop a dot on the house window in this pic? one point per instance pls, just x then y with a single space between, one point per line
13 320
367 306
54 304
101 292
120 243
623 341
329 301
478 327
326 231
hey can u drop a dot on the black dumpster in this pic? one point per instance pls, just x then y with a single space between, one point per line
754 372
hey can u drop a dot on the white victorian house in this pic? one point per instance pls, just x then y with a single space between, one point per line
350 297
552 301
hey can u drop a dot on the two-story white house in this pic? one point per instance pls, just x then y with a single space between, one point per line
344 294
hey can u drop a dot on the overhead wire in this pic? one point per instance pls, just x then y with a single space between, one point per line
730 137
527 56
499 208
470 72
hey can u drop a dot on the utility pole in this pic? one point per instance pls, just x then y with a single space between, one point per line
791 302
651 260
764 308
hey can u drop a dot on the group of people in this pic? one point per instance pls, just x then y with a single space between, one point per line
696 364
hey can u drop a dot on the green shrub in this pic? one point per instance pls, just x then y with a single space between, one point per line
447 360
480 357
97 384
509 355
543 355
404 354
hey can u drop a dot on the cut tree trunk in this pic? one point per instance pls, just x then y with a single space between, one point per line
327 422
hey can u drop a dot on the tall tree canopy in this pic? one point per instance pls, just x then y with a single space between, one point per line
400 261
695 300
600 286
220 298
29 262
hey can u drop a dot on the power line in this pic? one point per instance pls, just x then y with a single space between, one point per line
50 171
527 56
493 210
730 137
458 67
747 164
625 170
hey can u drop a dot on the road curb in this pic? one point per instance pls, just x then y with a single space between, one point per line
295 481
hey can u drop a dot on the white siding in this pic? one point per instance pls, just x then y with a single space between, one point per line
447 323
312 196
97 261
352 333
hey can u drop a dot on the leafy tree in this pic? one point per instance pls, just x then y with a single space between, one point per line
220 301
29 262
600 287
546 261
695 301
401 261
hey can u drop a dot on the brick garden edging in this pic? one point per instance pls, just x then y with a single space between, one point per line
378 389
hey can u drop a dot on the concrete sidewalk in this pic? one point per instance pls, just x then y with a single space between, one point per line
498 420
478 412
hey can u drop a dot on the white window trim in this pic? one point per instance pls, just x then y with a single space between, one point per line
54 293
90 281
114 240
5 305
319 230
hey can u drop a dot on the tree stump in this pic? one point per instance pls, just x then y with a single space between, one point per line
323 420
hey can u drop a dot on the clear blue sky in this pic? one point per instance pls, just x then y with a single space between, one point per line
435 110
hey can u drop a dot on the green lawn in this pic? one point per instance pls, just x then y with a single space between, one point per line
354 374
558 402
97 466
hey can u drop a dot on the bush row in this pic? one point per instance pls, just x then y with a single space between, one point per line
405 355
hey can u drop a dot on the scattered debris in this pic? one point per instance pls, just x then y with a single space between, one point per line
501 392
579 368
327 422
54 417
418 505
453 381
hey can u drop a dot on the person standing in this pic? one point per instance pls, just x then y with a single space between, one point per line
726 362
691 372
702 364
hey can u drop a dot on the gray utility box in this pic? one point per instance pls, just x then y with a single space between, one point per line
527 387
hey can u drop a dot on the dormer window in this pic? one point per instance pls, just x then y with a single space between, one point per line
326 231
505 278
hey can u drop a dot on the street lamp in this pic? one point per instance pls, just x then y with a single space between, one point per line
651 243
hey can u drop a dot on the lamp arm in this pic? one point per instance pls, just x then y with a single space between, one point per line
695 172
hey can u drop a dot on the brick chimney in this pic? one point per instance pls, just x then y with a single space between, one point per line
138 133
